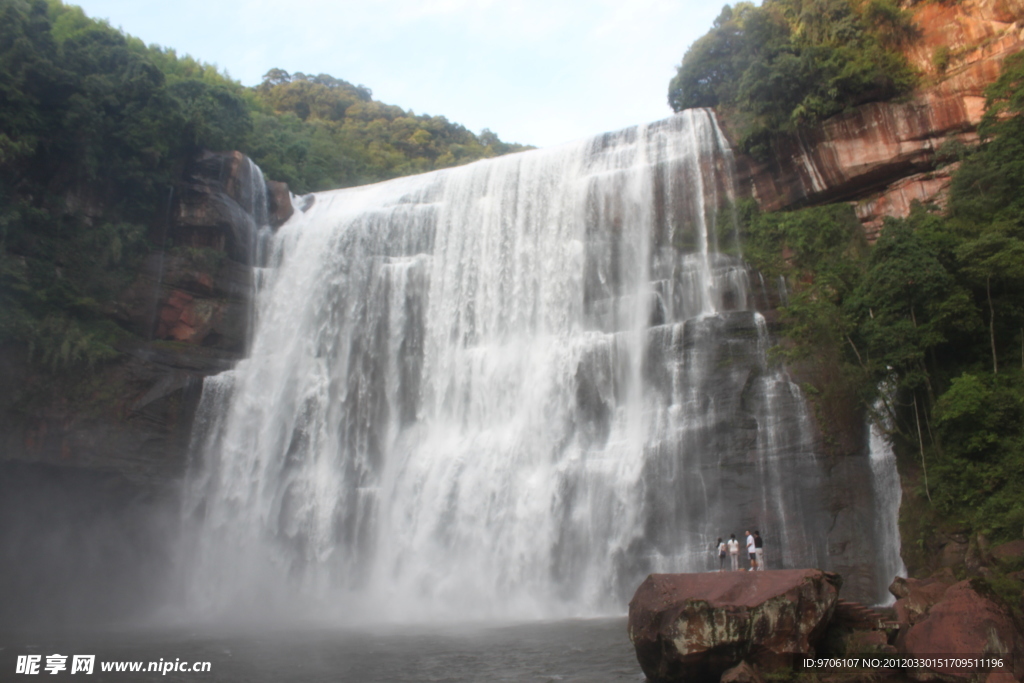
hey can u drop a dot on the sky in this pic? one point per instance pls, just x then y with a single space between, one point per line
538 72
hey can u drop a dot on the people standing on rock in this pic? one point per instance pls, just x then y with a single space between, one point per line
751 552
734 552
721 554
759 550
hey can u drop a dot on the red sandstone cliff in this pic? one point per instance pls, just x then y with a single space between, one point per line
882 155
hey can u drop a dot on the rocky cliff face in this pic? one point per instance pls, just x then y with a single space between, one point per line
189 309
884 155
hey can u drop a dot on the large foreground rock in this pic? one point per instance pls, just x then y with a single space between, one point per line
693 627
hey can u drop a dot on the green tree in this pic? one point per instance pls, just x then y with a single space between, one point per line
981 468
995 260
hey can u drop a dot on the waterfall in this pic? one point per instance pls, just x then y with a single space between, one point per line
254 202
509 389
888 495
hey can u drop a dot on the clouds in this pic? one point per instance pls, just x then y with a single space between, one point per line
534 71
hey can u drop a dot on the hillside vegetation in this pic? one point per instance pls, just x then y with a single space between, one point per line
319 132
95 130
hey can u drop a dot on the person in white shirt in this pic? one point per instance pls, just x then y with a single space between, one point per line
734 552
721 555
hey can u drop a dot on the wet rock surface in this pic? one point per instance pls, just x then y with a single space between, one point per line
818 524
695 627
279 199
220 205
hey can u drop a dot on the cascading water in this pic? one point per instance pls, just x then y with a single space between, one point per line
510 389
889 494
253 200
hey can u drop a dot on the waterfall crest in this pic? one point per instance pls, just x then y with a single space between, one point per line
510 389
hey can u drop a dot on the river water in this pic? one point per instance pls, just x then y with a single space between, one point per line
591 650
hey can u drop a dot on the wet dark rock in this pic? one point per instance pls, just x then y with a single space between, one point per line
279 199
833 502
220 205
134 419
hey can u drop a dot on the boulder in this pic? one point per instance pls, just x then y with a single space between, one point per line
1008 551
694 627
869 641
279 200
969 620
914 597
